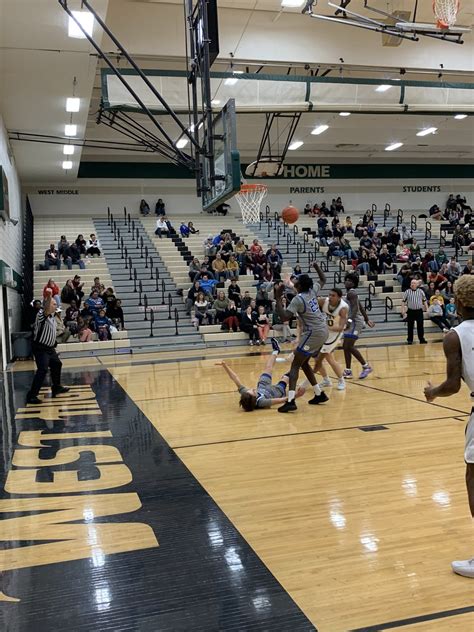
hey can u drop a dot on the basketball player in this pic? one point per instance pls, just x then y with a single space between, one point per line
337 316
306 308
357 316
265 394
458 346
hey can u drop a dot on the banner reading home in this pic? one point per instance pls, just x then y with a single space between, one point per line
58 505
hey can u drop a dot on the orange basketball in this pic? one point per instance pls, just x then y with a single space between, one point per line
290 214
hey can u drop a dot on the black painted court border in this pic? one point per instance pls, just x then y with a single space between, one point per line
390 625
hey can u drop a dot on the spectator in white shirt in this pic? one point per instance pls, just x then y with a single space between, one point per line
161 227
93 246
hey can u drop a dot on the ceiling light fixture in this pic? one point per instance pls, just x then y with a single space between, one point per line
68 150
344 113
73 104
86 19
319 130
460 117
182 142
296 144
70 130
427 130
67 164
393 146
382 88
231 81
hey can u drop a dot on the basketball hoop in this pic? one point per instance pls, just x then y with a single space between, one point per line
446 12
250 198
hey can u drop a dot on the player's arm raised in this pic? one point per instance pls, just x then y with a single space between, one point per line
320 273
233 376
452 383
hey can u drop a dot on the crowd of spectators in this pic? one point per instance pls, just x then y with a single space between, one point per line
71 253
457 211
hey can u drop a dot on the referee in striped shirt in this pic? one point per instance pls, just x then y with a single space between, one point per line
44 343
414 300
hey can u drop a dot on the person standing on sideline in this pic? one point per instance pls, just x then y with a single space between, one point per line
414 300
44 343
459 351
357 317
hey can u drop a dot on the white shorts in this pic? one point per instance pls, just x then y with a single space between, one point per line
469 449
332 342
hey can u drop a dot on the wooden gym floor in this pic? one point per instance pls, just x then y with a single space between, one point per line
344 516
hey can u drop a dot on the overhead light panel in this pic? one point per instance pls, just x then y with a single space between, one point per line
182 142
67 164
382 88
344 113
86 19
460 117
73 104
70 130
393 146
231 81
296 144
427 130
319 130
292 4
68 150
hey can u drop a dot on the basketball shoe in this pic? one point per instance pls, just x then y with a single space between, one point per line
464 567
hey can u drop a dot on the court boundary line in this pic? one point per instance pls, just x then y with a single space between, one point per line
307 432
390 625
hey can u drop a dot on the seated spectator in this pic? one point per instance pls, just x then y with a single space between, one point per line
108 296
461 203
62 332
114 311
52 258
263 324
438 279
365 242
219 267
221 305
97 285
84 333
102 325
194 268
440 258
184 230
335 248
192 230
435 212
430 290
363 265
72 316
437 296
339 205
436 314
234 293
453 271
78 288
402 252
226 248
210 249
81 244
72 256
415 250
68 293
202 309
248 324
448 291
191 296
240 249
451 202
231 318
348 225
63 245
144 208
160 207
279 325
386 262
255 247
94 303
161 226
93 246
246 300
307 209
232 268
275 260
51 285
468 268
207 285
205 269
450 313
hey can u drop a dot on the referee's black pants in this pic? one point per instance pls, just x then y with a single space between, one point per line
415 316
45 358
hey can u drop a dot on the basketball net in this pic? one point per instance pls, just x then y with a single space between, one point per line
250 198
446 12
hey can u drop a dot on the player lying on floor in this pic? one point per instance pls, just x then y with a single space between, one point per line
265 394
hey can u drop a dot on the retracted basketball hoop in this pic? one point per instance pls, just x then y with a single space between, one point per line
446 12
250 198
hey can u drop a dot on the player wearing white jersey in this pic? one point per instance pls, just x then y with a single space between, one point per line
337 314
458 348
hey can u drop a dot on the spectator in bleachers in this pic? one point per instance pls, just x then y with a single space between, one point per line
84 333
453 271
194 268
436 314
72 256
307 209
63 245
246 300
206 268
98 286
161 226
435 212
184 230
248 324
56 294
144 208
441 257
231 318
52 258
363 265
280 326
93 246
108 296
415 250
461 203
102 325
240 249
94 303
451 202
78 288
219 268
450 313
202 309
437 296
233 268
234 292
255 247
192 230
160 207
222 209
430 290
448 291
263 324
468 268
207 285
71 317
348 225
68 293
191 296
275 260
438 279
259 262
114 311
339 205
81 244
226 248
220 305
62 332
210 249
